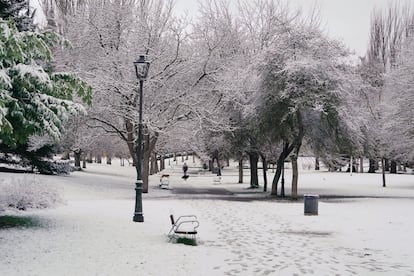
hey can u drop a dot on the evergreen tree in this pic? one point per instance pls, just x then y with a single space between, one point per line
18 11
34 100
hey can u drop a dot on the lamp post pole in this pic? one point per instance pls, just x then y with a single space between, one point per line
141 69
138 216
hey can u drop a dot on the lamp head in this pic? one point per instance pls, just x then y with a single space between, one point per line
141 68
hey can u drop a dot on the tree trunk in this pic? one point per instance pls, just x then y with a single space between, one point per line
282 182
254 180
295 176
393 167
372 166
99 158
77 153
264 172
89 160
131 140
109 159
387 164
193 157
84 161
287 149
145 168
317 167
182 157
241 170
361 165
149 145
210 166
216 157
383 171
154 164
218 167
297 146
162 162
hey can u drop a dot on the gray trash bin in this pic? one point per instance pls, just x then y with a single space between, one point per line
311 205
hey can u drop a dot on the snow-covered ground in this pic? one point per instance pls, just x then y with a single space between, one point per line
361 229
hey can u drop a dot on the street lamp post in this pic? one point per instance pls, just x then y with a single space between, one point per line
141 70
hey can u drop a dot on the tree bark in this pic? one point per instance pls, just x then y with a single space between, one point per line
154 164
361 165
84 161
264 172
383 171
216 157
372 166
297 144
282 182
218 167
77 153
131 140
89 160
241 170
393 167
317 167
287 149
162 162
99 158
295 176
149 145
387 164
254 180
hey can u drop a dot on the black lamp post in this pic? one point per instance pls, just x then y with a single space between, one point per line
141 70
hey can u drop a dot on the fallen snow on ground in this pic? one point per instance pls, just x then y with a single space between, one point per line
361 229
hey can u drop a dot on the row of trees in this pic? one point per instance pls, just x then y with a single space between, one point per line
253 80
260 82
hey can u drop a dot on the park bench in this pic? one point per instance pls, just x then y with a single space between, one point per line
185 226
165 181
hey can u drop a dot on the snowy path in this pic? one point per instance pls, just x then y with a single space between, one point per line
93 234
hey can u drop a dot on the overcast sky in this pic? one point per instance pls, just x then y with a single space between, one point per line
347 20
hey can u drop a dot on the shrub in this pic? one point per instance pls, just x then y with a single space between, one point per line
24 193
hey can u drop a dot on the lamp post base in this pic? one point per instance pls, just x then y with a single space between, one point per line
138 214
138 218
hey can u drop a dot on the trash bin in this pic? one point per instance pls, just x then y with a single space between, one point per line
311 205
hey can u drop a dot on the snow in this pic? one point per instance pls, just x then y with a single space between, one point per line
5 79
361 228
34 71
39 17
